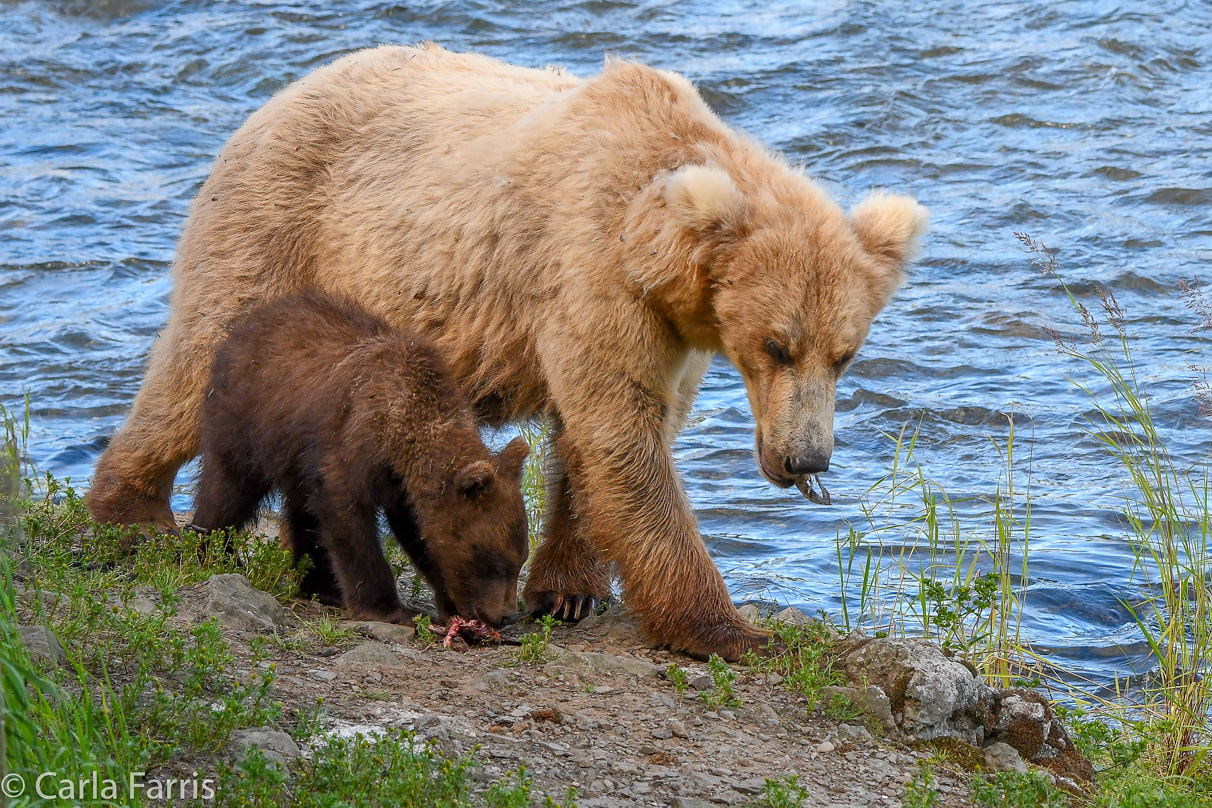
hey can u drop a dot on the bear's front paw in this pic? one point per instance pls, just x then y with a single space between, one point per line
568 608
729 641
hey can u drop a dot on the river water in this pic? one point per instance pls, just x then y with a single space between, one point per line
1087 124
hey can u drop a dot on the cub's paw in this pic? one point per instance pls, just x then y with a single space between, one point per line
568 608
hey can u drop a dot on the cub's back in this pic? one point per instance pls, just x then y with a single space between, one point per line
282 377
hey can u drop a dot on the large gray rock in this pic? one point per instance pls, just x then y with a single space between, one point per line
42 645
238 604
930 694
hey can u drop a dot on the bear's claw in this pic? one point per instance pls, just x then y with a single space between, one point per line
567 608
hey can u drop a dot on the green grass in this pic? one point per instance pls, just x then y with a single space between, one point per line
803 659
388 770
722 692
535 645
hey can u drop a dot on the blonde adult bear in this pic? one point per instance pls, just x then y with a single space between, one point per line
578 248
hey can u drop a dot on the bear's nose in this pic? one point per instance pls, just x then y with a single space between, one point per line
805 464
509 619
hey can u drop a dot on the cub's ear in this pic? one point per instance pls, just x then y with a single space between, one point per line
890 228
704 198
474 478
511 458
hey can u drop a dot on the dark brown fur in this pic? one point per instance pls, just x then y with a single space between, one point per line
346 418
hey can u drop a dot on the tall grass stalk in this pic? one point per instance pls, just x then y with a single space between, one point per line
925 563
1167 514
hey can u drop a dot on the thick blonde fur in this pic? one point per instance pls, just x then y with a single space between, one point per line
575 247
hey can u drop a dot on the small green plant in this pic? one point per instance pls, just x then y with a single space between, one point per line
514 792
329 632
678 678
920 791
309 722
1015 790
416 588
722 693
840 708
801 659
783 793
426 636
534 647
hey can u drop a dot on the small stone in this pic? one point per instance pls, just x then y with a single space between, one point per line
1002 757
372 654
238 604
274 744
774 679
689 802
42 645
678 728
493 680
853 733
326 676
793 617
751 612
754 785
702 682
662 733
825 747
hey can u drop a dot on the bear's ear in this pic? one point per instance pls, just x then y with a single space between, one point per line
704 198
890 229
474 478
511 458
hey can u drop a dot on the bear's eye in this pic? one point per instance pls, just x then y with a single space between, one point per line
840 365
778 352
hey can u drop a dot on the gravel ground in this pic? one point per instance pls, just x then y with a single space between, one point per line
596 715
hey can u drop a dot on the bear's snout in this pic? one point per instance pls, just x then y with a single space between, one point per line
806 463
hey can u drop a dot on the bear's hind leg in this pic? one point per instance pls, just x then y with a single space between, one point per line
133 480
301 532
567 576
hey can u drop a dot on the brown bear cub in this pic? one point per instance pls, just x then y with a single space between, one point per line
348 418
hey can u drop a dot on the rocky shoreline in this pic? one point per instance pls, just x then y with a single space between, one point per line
596 711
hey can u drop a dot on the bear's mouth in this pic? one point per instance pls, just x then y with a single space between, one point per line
772 476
